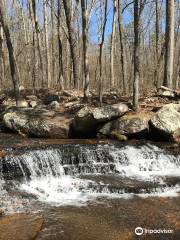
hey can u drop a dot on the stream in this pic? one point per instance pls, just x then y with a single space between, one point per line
93 191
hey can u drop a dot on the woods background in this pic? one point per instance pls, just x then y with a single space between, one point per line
101 45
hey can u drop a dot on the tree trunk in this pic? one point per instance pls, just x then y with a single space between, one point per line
169 41
48 67
12 62
123 62
52 43
72 41
156 77
112 45
32 4
2 67
136 56
101 51
85 53
61 73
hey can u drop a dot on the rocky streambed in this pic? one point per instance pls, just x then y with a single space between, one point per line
90 189
71 169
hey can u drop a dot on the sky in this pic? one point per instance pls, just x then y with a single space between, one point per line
127 18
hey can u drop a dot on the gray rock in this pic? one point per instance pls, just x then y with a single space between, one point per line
166 122
128 125
88 119
37 122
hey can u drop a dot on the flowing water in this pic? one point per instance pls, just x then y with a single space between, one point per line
58 180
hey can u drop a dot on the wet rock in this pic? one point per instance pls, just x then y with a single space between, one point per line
130 125
166 122
88 119
20 227
37 122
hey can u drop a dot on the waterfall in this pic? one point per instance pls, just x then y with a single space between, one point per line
75 174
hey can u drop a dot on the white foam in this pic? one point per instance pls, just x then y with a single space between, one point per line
147 163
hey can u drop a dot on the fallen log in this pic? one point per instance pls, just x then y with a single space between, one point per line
168 92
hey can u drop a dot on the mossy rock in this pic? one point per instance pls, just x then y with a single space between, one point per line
119 136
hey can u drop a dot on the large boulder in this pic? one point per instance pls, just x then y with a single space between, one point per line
131 125
166 122
88 119
37 122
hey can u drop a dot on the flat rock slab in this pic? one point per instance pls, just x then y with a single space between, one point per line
20 227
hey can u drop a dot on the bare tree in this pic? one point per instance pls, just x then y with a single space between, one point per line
12 61
48 71
72 41
156 77
85 43
112 44
123 62
169 42
52 41
2 67
101 46
136 55
61 72
32 6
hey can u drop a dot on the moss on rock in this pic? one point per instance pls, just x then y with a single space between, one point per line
117 135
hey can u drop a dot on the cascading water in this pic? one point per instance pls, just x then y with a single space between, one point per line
75 174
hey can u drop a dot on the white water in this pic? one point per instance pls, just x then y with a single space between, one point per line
147 163
50 184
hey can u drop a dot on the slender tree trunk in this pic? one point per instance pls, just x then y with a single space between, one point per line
112 80
2 76
169 41
72 41
136 56
32 4
178 71
85 53
48 67
52 42
60 55
123 62
13 66
156 77
101 51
